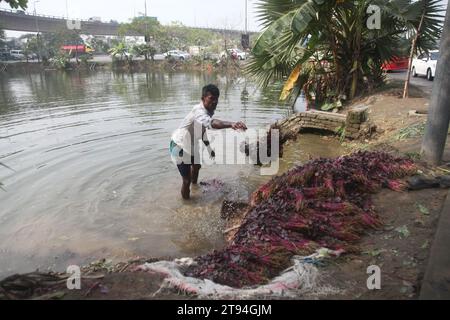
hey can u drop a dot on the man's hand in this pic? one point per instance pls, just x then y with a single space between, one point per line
239 126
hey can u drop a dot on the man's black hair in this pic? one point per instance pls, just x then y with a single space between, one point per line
212 89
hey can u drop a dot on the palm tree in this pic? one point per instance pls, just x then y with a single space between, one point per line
425 30
326 47
119 49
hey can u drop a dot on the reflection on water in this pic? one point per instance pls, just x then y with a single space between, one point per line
93 177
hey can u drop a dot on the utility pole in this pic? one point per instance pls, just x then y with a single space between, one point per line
246 25
147 36
436 132
245 39
37 33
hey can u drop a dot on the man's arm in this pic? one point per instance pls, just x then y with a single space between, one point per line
219 124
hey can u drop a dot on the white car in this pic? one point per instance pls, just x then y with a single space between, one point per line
425 64
177 54
17 55
234 53
242 55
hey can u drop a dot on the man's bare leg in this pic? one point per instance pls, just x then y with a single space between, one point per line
195 169
185 187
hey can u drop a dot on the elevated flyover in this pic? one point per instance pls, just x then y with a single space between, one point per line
21 21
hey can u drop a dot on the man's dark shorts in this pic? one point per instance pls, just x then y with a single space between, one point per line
176 154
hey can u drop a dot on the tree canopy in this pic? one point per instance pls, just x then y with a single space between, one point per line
327 47
17 3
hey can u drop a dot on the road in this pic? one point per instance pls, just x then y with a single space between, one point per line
420 81
107 58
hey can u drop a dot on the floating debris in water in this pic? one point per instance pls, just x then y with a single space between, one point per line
213 185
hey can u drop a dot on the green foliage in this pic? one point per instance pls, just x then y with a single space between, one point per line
32 46
17 3
413 155
424 210
173 36
99 45
341 133
340 57
61 60
146 26
145 50
51 43
331 106
118 50
431 27
121 50
412 131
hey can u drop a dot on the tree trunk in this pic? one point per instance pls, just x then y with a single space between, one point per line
436 132
356 59
411 55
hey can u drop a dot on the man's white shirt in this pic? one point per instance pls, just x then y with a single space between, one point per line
184 136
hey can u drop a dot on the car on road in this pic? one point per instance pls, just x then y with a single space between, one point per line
242 55
32 56
17 55
234 54
177 55
425 64
396 64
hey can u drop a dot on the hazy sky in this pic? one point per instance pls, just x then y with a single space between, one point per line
213 13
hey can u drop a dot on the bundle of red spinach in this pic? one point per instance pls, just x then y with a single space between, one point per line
324 203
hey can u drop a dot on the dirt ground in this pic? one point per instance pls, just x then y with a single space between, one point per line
401 248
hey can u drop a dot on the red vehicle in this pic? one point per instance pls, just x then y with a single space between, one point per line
77 49
396 64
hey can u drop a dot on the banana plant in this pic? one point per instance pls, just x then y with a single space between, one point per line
119 50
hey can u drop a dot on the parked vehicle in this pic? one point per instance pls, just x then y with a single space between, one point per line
77 50
396 64
234 54
32 56
425 64
17 55
242 55
177 54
